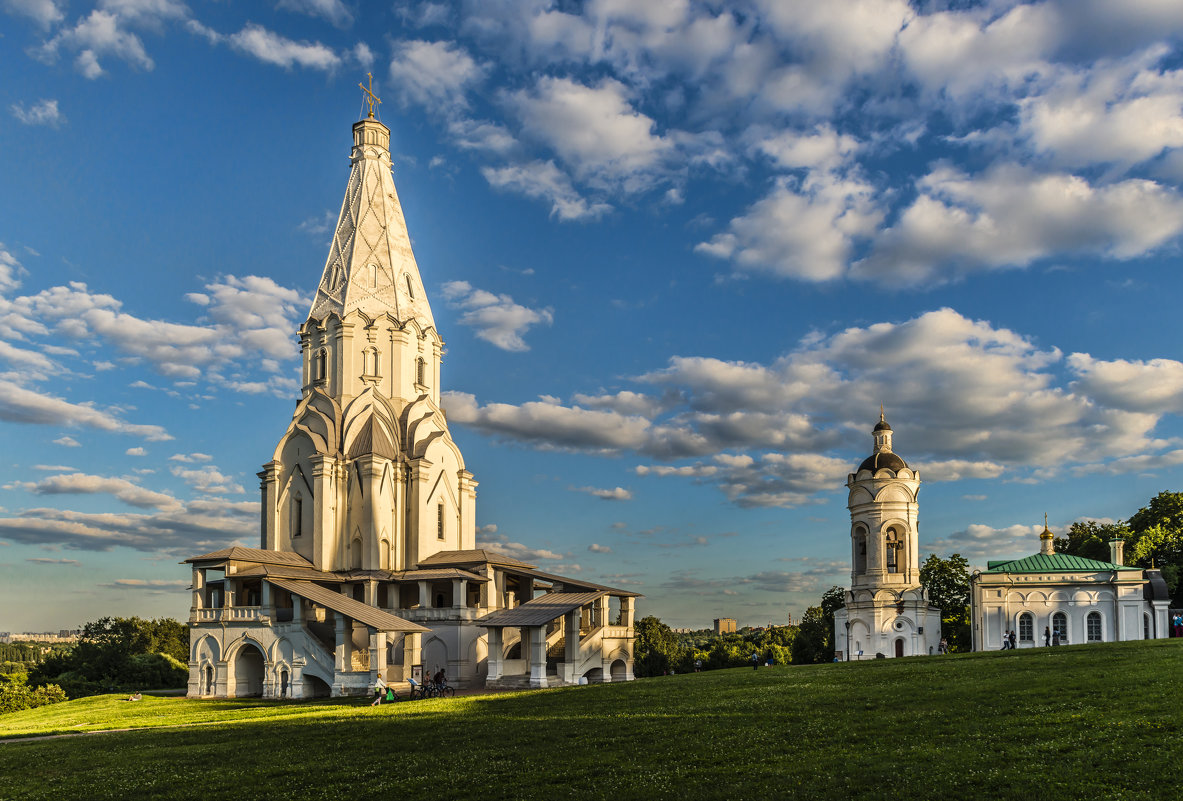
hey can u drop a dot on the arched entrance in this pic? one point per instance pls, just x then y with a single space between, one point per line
249 668
899 647
619 670
594 676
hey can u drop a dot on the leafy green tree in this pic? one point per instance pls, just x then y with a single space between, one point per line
116 653
657 649
947 583
1165 509
1090 539
1158 539
16 694
815 637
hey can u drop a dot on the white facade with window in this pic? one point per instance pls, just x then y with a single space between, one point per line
887 611
1059 599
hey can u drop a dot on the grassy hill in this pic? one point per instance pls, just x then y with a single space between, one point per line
1100 721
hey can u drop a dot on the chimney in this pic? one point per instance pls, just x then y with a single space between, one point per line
1117 551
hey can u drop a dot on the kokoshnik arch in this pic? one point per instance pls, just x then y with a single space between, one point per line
368 564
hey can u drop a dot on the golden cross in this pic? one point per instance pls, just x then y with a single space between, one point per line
370 97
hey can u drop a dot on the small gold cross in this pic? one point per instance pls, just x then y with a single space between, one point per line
370 97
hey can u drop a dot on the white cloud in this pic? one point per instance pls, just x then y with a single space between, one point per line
434 74
120 488
613 494
334 11
594 130
1012 216
1148 386
272 48
199 526
136 452
208 479
1122 113
44 12
67 442
42 560
22 405
543 180
43 112
10 271
597 548
495 318
190 458
99 34
499 542
149 585
977 542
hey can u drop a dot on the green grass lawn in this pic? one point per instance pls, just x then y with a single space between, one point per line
1100 721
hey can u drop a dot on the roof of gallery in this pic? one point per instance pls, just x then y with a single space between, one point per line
1053 563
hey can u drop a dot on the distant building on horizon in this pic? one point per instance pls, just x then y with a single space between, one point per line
725 625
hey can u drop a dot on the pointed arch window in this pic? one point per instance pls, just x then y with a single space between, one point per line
410 286
860 551
297 526
421 371
439 520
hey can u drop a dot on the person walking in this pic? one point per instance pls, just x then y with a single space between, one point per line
379 690
1047 636
1179 625
1006 639
1012 639
755 661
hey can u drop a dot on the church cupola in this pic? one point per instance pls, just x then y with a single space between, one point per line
1047 545
882 455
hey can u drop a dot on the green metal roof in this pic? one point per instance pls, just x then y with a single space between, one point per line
1052 563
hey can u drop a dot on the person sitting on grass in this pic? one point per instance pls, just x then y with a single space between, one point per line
136 696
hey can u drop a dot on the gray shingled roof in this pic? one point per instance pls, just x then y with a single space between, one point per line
539 611
364 613
239 554
471 557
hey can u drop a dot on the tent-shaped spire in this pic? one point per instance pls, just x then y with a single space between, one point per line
371 267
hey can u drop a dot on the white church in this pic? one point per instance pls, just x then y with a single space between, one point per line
1044 599
367 564
887 611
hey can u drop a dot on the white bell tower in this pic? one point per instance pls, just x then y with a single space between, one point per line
887 611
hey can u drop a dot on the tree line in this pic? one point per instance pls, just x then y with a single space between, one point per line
113 654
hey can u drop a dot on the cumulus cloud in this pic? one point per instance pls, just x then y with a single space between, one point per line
136 452
196 526
43 112
613 494
243 319
120 488
1012 216
976 542
67 442
22 405
434 74
208 479
594 130
103 33
44 12
272 48
502 543
334 11
982 402
544 181
495 318
597 548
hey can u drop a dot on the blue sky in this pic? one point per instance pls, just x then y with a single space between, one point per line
680 253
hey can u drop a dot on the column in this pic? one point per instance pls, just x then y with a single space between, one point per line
297 610
266 599
424 595
371 595
628 609
571 646
198 591
324 540
467 532
495 665
341 655
412 651
269 498
459 590
537 655
377 655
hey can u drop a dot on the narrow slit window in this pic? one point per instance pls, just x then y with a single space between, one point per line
297 516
